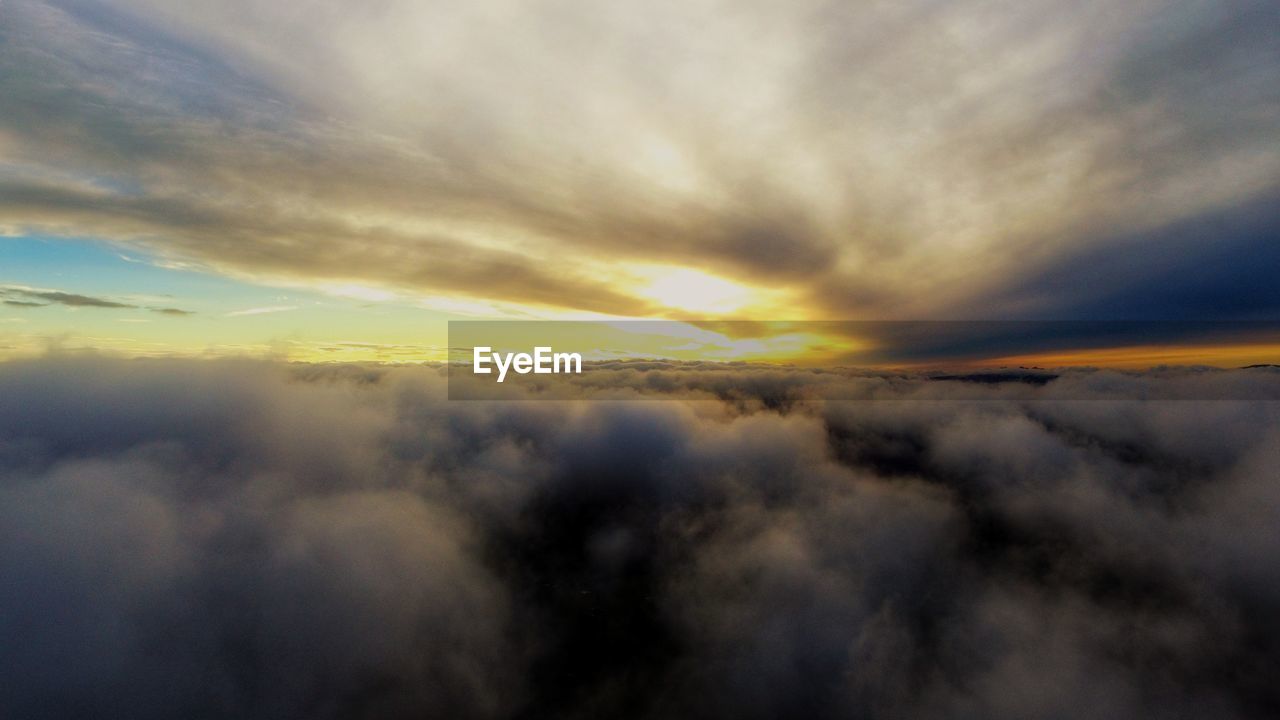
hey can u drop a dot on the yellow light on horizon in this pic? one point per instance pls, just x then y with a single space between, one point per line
1147 356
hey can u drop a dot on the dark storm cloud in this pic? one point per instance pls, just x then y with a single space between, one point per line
214 539
1218 266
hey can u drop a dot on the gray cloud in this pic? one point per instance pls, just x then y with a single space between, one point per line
888 159
253 540
58 297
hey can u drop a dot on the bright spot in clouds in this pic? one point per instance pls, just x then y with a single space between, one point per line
694 290
359 292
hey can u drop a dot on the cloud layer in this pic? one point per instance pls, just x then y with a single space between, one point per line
214 539
899 160
26 297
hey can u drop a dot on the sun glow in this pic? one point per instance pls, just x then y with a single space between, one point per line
695 291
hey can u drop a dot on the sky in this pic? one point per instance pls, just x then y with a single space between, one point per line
872 254
327 180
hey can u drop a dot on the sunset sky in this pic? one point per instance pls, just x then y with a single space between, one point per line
930 359
330 181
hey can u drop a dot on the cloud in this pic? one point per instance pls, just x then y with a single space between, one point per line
430 148
262 310
58 297
1169 275
261 540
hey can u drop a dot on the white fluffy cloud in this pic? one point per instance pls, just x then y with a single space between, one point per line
256 540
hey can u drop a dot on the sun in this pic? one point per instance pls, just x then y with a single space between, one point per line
693 291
